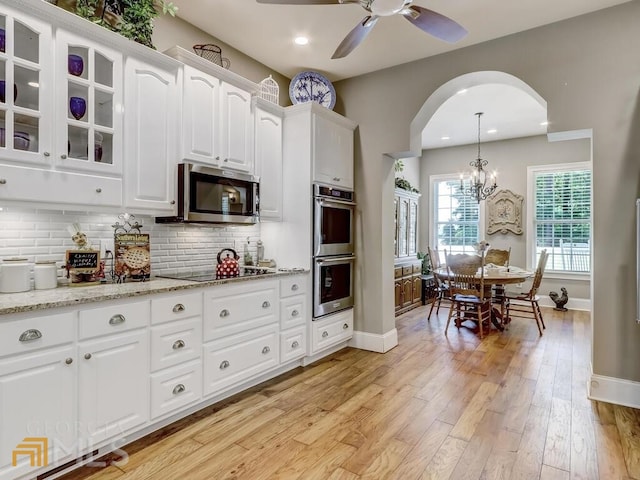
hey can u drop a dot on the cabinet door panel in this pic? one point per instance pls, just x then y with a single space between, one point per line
200 116
114 385
236 129
268 152
151 141
37 400
333 153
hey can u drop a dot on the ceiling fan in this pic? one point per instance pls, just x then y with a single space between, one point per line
426 20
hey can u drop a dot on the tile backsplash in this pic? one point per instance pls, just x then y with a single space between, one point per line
39 234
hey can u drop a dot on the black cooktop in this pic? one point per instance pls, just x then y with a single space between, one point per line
210 275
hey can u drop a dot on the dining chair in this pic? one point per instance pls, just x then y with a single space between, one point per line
525 305
466 286
442 289
497 256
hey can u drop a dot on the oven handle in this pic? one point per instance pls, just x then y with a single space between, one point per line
336 259
328 202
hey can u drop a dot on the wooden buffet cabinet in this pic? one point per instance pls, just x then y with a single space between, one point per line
408 285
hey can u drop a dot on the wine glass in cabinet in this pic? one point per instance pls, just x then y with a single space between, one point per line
89 103
26 104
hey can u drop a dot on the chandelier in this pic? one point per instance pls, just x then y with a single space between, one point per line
476 187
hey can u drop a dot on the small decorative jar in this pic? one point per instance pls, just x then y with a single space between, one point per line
15 275
45 275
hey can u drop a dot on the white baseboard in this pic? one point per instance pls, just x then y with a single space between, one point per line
614 390
374 343
572 304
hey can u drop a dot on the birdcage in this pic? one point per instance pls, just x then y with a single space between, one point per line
213 53
269 90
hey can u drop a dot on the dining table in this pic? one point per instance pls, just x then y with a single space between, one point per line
495 279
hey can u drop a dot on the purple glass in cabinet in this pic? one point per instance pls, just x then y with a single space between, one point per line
75 65
78 107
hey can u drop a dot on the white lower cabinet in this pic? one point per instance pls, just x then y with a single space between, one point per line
231 360
175 388
293 344
331 330
293 318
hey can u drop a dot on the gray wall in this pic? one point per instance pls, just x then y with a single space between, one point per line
171 31
510 158
588 70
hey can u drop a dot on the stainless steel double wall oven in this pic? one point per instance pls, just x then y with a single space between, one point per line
333 249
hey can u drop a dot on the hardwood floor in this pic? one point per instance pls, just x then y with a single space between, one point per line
512 406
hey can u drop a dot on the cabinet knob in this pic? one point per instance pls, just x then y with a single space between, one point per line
336 179
224 313
46 154
345 327
226 160
173 202
69 361
266 304
178 344
178 389
3 181
325 334
265 350
98 190
63 156
178 307
30 335
117 319
87 356
295 344
224 364
295 313
294 287
218 157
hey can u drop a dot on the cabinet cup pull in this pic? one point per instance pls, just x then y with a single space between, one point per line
69 361
295 313
178 307
63 156
117 319
224 313
295 344
336 179
325 334
265 304
3 181
345 326
178 344
172 202
98 190
178 389
87 356
46 154
265 350
30 335
294 287
224 364
226 160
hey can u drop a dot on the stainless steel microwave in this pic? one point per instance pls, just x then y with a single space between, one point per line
213 195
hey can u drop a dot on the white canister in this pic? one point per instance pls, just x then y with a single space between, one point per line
15 275
45 275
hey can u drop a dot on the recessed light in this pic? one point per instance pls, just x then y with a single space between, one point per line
445 138
544 124
33 84
301 40
492 131
461 92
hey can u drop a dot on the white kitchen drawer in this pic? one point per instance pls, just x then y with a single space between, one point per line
232 360
171 307
113 319
331 330
293 344
175 342
293 311
232 309
295 285
36 332
175 388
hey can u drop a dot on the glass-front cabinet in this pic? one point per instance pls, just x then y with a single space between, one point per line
406 223
88 105
26 88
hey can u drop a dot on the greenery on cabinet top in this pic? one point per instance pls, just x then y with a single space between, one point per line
132 19
401 182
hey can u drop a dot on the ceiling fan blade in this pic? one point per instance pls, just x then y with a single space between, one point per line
435 24
355 36
300 2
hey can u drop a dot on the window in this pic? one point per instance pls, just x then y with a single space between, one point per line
561 215
456 217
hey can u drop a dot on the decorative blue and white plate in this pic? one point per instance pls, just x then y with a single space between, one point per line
312 87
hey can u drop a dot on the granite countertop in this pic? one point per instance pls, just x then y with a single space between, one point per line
68 296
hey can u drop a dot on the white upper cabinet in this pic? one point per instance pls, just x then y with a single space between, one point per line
268 145
26 89
151 145
217 115
333 150
88 107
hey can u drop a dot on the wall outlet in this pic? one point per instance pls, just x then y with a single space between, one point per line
105 244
